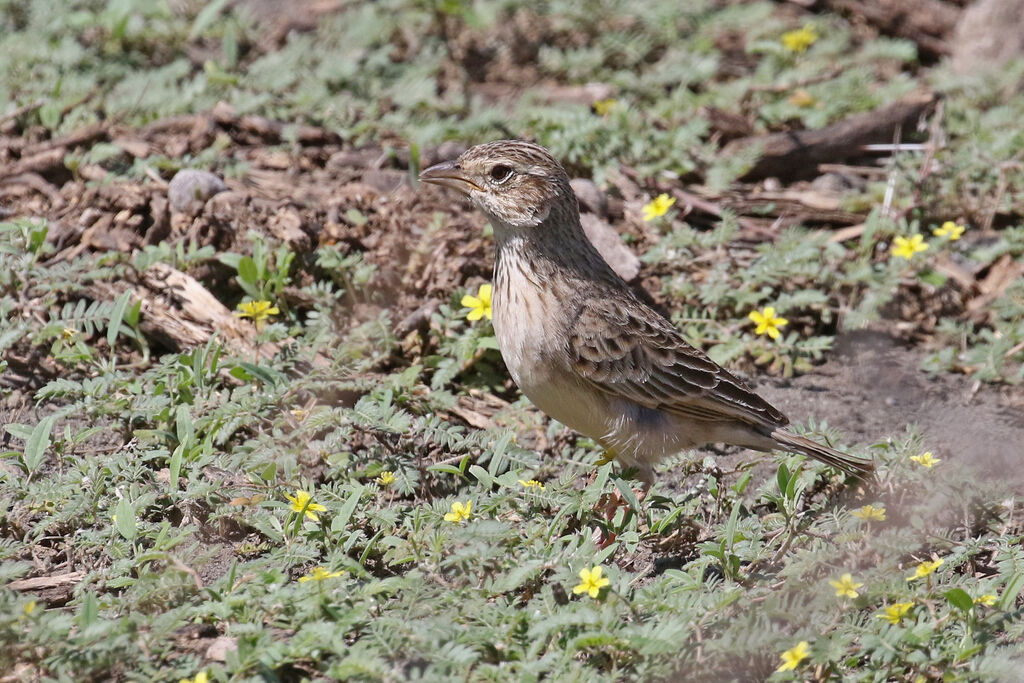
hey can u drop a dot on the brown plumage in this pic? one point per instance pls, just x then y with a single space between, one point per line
582 346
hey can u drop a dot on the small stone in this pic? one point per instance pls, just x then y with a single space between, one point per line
590 196
190 189
611 247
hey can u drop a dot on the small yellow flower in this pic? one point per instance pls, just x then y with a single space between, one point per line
767 322
906 248
987 599
801 98
951 230
319 574
658 206
870 513
200 678
459 512
30 606
925 568
800 39
591 582
895 612
925 459
533 483
604 107
846 587
68 333
303 502
386 478
257 310
480 305
792 657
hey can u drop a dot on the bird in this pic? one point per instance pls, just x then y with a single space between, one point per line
583 347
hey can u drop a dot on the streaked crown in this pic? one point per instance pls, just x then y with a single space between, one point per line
515 183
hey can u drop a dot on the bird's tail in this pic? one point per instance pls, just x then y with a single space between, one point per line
857 467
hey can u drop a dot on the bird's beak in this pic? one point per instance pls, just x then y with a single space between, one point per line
448 174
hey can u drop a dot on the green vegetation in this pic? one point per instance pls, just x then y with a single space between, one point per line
291 496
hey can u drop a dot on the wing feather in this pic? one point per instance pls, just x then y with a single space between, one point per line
627 350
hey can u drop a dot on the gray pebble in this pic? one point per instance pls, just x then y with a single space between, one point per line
190 189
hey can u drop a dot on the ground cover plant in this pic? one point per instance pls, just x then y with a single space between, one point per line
266 433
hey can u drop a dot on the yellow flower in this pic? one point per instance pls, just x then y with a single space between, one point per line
591 582
658 206
386 478
604 107
767 322
895 612
532 483
906 248
846 587
319 574
801 98
459 512
870 513
303 502
30 606
68 333
925 568
800 39
951 230
257 310
480 305
987 599
200 678
925 459
792 657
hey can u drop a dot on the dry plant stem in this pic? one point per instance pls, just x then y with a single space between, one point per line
23 109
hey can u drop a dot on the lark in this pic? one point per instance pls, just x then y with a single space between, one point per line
582 346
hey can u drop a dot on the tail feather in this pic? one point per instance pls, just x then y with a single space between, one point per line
857 467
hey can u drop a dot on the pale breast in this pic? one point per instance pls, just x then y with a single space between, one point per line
529 321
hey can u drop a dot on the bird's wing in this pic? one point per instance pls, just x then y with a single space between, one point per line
627 350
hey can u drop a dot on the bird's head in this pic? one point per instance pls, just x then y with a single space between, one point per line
516 184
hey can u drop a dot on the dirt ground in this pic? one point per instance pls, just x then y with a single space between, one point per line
871 387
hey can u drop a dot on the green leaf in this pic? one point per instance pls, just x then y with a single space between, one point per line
117 316
185 430
124 519
247 271
782 477
175 465
206 17
959 599
248 371
1013 588
482 475
447 469
38 442
628 493
89 611
340 521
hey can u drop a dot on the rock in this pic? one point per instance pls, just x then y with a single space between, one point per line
608 243
190 189
590 196
988 34
220 647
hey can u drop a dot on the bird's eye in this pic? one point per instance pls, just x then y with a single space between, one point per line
501 173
